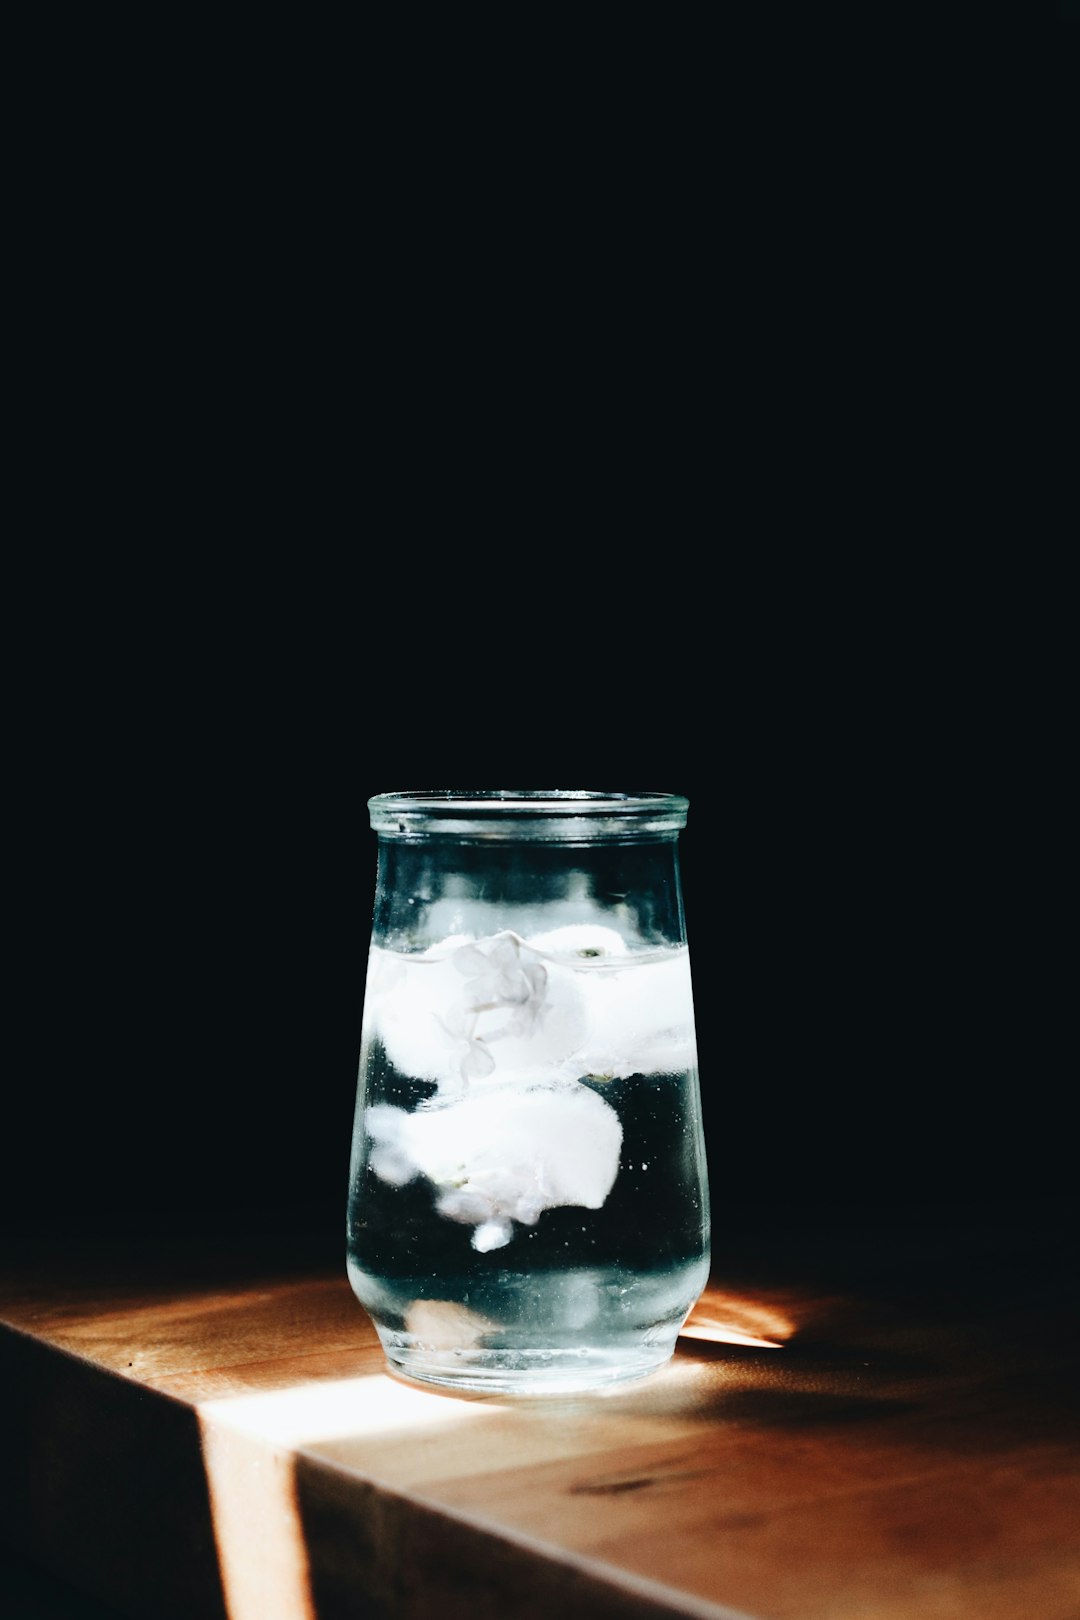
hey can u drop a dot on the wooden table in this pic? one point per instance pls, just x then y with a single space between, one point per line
217 1435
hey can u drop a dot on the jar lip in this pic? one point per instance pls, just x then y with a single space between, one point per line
533 812
525 801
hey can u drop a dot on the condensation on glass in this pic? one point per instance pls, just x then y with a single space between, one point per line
528 1205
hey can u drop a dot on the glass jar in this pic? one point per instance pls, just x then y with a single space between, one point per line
528 1205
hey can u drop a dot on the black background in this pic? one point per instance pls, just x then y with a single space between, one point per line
863 1010
706 446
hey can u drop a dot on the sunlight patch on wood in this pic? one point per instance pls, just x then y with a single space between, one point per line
262 1555
733 1319
248 1441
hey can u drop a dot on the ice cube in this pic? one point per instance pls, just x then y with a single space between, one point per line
405 997
507 1153
460 1014
492 1235
640 1018
442 1324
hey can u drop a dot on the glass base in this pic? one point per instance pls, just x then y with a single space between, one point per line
526 1372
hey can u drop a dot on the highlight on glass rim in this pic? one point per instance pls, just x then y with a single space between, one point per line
528 1206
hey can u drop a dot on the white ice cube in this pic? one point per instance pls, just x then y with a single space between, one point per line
506 1153
406 999
640 1018
464 1011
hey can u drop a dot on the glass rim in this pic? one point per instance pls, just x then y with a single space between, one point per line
557 813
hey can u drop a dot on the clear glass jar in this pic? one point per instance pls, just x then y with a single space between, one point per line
528 1204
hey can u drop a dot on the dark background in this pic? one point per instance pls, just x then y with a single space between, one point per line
706 445
863 1006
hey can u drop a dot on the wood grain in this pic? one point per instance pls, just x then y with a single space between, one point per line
237 1447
